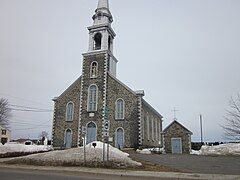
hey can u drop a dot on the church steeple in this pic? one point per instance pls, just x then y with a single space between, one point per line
102 13
101 34
103 4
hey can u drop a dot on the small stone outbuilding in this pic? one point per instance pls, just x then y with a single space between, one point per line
177 139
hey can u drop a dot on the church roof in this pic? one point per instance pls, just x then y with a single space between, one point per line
154 110
68 89
136 93
176 122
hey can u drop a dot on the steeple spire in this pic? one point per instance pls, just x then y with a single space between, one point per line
103 4
102 13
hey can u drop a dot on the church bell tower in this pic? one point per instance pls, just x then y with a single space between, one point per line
98 62
101 34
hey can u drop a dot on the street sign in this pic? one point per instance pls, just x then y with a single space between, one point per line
106 134
106 125
106 112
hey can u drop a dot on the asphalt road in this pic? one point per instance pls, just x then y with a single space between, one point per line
22 174
195 164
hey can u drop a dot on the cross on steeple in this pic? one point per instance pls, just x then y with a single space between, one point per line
174 113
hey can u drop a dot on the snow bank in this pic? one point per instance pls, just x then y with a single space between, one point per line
75 157
223 149
144 151
150 150
13 147
193 152
112 149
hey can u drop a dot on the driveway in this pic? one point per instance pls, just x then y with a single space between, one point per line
193 163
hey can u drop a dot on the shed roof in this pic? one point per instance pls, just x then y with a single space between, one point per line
176 122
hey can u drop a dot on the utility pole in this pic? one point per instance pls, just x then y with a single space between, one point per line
201 128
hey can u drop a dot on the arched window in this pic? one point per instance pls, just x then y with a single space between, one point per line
92 98
69 112
97 41
109 43
68 138
94 69
119 109
119 138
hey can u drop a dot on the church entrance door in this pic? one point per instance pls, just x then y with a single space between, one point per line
91 132
68 139
119 140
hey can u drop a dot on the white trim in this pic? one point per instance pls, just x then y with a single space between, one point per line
104 94
116 112
65 136
89 98
140 138
116 137
91 76
53 123
66 117
180 144
87 129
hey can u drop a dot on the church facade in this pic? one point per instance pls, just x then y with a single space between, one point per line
98 105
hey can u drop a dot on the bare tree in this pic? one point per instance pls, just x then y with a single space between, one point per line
232 119
5 112
43 135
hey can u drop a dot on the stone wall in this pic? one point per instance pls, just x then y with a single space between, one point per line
152 139
96 116
115 91
59 121
177 131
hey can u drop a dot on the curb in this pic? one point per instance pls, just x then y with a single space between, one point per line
124 173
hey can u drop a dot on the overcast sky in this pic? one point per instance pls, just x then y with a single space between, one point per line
183 53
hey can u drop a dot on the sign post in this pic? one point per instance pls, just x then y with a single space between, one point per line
84 143
106 133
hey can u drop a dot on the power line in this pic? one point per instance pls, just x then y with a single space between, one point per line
25 119
28 128
22 123
33 108
23 99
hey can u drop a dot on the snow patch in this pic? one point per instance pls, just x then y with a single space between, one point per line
223 149
144 151
13 147
75 157
99 145
150 150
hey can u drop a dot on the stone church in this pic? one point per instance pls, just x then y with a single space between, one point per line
98 105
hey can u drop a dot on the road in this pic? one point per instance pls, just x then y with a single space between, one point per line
22 174
194 163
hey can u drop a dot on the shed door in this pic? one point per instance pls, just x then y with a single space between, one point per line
91 132
176 145
68 138
119 142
